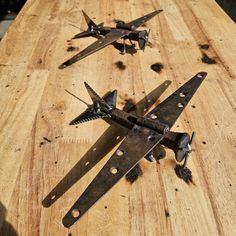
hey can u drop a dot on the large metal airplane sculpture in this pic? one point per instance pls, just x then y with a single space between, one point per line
111 34
144 135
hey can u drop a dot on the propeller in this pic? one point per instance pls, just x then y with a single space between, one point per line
188 150
143 39
147 37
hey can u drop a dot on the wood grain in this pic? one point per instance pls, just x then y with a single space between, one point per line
34 105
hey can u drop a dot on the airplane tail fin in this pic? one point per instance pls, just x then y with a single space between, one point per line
94 111
89 21
109 100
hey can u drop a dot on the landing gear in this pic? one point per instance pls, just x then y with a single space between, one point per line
124 47
188 150
150 157
132 44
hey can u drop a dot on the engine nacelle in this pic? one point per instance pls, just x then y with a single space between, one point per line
122 25
143 39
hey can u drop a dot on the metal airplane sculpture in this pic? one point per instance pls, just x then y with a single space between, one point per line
109 35
144 135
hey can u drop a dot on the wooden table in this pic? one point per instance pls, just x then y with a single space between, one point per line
35 106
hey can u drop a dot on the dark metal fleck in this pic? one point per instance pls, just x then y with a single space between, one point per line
120 65
184 173
204 46
71 49
48 140
157 67
206 59
167 213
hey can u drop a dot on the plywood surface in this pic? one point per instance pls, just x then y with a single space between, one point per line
34 105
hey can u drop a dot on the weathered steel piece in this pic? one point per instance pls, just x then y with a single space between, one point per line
102 146
146 132
110 35
141 140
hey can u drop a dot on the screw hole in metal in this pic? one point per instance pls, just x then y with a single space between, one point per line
114 170
119 153
180 105
182 95
75 213
153 116
151 138
200 76
87 163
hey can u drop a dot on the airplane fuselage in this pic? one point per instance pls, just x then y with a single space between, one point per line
133 34
129 121
141 36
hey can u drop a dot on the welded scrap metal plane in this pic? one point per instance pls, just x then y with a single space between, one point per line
109 35
145 132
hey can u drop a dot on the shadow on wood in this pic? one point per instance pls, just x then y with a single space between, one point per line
5 227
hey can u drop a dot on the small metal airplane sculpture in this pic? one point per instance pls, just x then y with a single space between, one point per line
144 135
111 34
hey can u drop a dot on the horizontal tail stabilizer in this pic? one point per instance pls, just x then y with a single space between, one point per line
84 34
87 115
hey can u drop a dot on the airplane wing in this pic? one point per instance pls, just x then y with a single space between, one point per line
111 37
137 144
170 109
138 22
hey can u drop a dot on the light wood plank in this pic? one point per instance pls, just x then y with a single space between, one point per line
34 105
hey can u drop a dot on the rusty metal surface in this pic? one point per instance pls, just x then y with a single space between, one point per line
103 146
110 35
145 133
138 22
142 140
170 109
